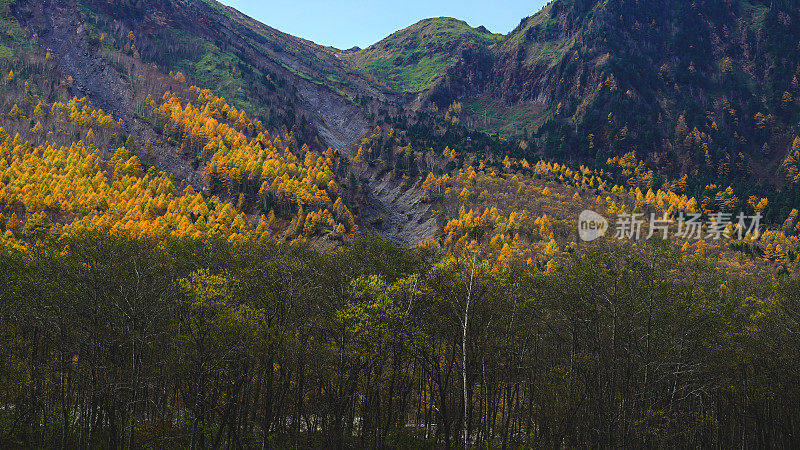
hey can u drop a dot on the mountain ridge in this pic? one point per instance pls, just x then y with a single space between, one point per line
579 81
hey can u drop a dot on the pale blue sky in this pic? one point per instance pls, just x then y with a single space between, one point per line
346 23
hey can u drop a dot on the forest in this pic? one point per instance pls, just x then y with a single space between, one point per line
113 341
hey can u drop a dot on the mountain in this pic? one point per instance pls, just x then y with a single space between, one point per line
414 59
655 93
290 81
189 201
581 80
595 80
642 76
707 90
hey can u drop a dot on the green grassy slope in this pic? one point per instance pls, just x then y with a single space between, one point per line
414 59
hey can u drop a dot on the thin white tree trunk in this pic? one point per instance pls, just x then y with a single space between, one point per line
464 346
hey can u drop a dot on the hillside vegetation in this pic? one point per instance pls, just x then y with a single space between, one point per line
414 59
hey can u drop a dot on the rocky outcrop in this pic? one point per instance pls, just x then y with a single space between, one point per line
61 29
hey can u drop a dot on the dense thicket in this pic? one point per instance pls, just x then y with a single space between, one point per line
112 341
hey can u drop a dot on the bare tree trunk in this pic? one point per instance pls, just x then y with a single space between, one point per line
464 349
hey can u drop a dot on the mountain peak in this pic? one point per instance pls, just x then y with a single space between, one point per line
414 58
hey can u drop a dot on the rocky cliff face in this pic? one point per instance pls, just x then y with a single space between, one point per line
61 29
